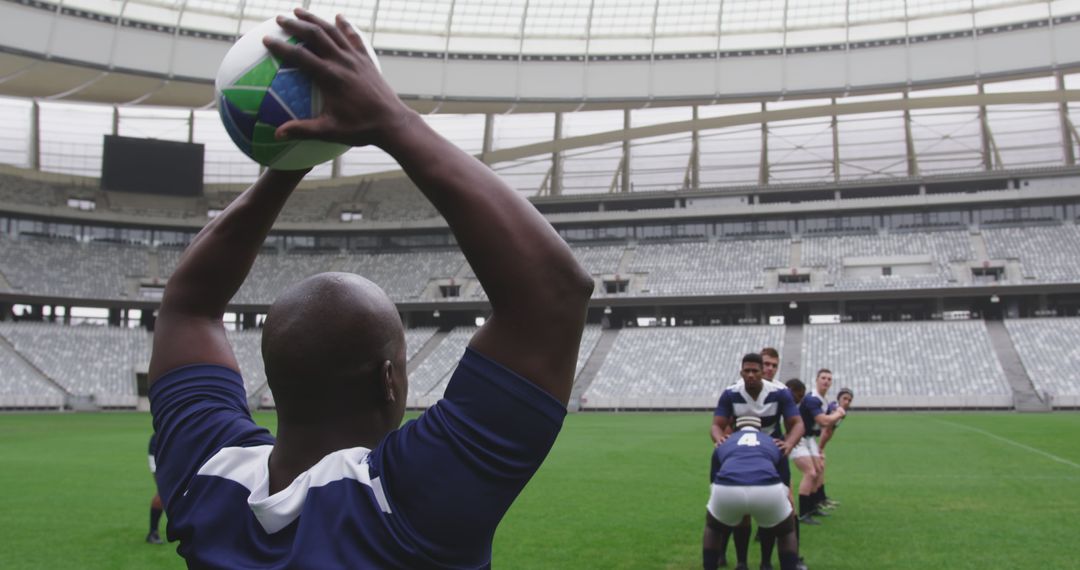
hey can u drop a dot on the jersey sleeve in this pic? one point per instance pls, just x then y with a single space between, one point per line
725 407
788 409
452 474
813 406
197 411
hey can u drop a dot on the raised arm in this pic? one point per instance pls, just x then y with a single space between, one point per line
189 327
538 291
829 420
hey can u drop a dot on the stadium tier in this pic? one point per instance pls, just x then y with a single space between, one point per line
85 361
680 367
914 364
892 365
1046 254
59 267
1050 353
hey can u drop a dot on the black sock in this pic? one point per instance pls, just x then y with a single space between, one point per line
798 536
788 560
155 518
710 559
806 504
742 543
768 541
819 497
824 495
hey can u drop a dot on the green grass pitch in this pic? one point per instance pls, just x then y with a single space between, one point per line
976 490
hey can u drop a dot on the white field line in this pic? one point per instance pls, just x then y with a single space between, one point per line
1014 443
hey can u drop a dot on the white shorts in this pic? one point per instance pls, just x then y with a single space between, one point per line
807 447
768 504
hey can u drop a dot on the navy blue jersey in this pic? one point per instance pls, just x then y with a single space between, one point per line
429 495
773 403
746 458
152 448
811 407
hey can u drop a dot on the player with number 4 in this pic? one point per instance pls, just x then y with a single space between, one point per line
748 484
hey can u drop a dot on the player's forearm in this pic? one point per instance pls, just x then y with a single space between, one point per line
826 435
219 258
795 430
526 269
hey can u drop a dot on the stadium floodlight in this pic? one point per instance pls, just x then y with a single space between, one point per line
435 314
793 305
995 299
607 310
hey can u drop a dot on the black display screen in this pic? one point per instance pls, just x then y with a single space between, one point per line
151 166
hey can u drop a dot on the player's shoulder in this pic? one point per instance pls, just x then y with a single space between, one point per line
775 389
732 390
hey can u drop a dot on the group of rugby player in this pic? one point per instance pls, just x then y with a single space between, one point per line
750 475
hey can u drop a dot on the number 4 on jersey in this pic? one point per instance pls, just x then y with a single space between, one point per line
749 439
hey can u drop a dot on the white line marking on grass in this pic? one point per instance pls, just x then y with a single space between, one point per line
1015 443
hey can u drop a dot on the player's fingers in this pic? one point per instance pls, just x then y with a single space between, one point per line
317 128
297 56
350 34
331 32
311 35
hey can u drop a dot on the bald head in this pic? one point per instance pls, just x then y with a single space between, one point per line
326 345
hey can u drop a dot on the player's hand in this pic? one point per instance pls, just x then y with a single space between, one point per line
785 448
359 106
841 411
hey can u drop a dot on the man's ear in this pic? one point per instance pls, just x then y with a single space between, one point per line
386 378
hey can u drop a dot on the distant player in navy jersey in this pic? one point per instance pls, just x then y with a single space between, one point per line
747 483
770 402
153 537
843 400
806 455
342 486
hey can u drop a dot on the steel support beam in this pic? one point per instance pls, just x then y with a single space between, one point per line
835 144
985 138
624 168
555 184
692 177
35 136
909 142
1067 140
489 137
763 165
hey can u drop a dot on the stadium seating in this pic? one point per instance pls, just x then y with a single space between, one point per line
1047 254
65 268
943 247
674 367
1049 351
61 267
85 360
19 190
404 276
428 381
705 268
913 364
21 386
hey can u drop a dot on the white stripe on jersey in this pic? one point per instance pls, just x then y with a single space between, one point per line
248 467
758 408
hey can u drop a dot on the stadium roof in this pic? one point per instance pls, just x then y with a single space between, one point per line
550 55
569 25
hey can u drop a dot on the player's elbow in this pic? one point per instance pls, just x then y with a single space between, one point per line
572 286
